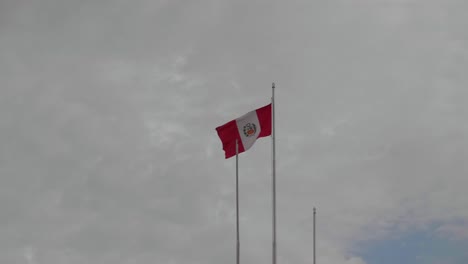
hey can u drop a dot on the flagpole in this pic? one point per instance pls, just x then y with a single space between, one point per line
315 212
273 169
237 205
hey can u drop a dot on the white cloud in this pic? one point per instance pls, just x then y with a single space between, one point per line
30 255
453 231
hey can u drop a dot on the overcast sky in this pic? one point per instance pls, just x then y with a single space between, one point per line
108 152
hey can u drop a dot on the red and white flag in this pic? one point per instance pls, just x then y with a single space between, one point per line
246 129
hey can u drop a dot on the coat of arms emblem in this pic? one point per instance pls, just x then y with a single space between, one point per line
250 129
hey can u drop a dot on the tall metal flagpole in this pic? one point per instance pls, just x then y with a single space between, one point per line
273 169
315 212
237 204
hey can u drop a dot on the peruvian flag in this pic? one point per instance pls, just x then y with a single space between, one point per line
246 129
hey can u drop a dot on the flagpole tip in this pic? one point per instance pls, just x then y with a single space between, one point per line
273 85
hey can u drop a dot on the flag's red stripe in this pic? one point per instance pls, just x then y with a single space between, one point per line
228 133
264 118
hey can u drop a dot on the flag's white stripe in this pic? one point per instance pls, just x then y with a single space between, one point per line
242 122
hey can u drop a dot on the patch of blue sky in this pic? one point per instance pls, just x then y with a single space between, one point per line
415 247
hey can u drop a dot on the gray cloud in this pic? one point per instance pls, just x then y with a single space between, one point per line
108 110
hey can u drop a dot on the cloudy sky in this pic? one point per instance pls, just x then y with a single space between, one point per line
109 154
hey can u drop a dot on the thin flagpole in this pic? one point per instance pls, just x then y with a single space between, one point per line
237 205
273 169
315 212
